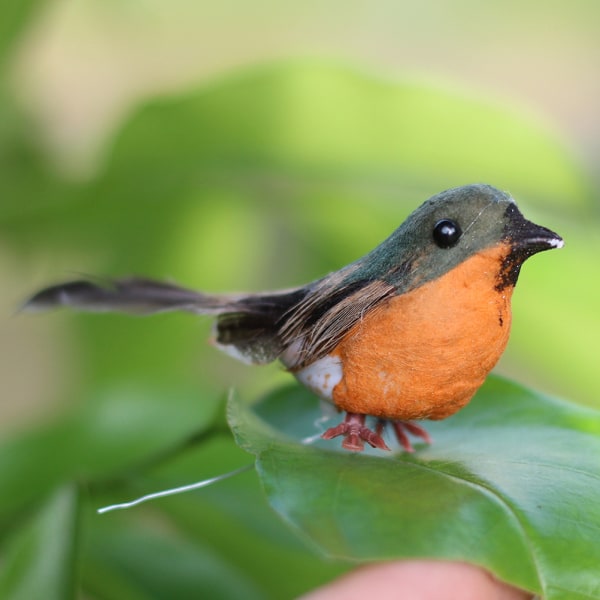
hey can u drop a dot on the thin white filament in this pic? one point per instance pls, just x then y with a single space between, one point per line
328 412
178 490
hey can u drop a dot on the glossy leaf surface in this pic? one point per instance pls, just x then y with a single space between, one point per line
511 483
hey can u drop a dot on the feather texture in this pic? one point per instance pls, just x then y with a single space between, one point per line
318 323
258 327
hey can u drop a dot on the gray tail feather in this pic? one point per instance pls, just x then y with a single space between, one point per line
249 323
132 295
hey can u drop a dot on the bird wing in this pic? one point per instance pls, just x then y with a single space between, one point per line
300 325
314 326
247 324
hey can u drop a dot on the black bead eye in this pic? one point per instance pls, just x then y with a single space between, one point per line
446 233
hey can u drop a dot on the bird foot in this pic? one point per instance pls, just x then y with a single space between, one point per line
403 428
355 433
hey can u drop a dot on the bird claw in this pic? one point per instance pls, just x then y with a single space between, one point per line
355 433
402 428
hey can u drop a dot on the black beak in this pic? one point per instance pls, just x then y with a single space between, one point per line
526 237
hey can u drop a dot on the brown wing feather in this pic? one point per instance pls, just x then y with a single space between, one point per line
248 323
324 316
260 327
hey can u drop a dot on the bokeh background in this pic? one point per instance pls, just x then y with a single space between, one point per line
244 146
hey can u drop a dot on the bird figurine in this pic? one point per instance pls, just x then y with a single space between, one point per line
405 333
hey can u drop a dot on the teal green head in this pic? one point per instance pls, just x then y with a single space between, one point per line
449 228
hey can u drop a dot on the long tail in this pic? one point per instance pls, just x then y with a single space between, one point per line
247 325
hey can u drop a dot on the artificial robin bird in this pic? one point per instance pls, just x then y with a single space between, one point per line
405 333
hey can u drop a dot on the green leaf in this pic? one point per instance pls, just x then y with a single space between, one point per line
315 129
511 483
234 518
139 563
42 560
318 121
122 430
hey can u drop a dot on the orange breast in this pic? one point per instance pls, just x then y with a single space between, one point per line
425 353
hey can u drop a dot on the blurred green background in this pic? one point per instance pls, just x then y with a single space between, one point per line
248 146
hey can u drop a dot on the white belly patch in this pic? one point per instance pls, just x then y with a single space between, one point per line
321 376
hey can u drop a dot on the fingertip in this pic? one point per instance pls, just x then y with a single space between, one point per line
418 580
